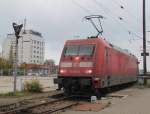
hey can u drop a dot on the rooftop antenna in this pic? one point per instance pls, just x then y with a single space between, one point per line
91 19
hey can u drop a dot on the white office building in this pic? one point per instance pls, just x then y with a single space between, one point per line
6 47
31 47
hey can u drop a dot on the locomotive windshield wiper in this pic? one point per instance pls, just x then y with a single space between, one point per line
91 19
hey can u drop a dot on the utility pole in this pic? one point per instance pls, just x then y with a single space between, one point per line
144 43
17 29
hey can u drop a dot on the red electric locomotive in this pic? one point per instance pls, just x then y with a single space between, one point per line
90 65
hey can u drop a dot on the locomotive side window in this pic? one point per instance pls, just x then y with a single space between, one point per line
86 50
71 50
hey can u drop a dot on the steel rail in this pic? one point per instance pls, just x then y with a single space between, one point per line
31 106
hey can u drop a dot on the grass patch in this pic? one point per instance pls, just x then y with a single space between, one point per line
11 94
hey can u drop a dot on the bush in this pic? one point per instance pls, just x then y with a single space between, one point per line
34 86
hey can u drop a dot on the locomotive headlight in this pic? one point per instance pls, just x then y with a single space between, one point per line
62 71
89 71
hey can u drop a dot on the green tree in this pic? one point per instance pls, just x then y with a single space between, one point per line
5 65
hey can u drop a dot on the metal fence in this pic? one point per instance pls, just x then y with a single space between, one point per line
9 72
23 72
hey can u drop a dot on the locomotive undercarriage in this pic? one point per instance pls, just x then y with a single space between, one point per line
77 86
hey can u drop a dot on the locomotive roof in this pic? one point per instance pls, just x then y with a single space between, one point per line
121 50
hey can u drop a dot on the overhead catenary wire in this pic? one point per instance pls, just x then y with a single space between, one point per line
85 10
122 6
131 15
107 11
89 12
82 7
139 37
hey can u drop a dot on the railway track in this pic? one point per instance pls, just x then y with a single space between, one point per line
28 101
38 106
52 107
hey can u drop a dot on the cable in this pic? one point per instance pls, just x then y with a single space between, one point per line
126 13
83 8
140 38
108 11
125 9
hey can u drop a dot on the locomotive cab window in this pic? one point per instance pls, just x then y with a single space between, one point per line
73 50
86 50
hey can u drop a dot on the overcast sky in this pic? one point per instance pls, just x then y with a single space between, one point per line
60 20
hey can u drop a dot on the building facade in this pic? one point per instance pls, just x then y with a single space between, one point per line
6 47
31 47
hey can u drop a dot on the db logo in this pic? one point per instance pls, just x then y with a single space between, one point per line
76 64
